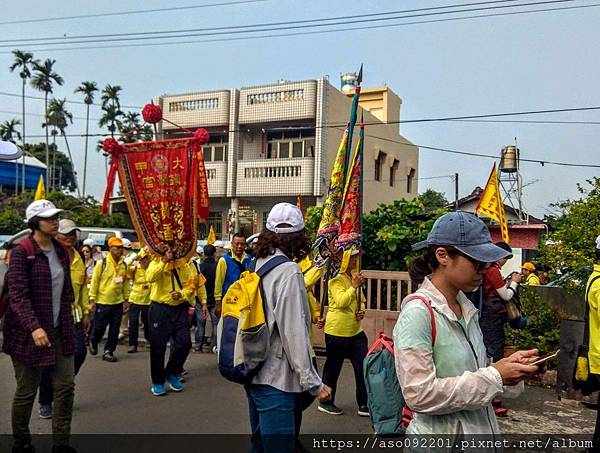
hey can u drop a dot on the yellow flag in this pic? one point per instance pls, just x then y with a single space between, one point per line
40 193
490 204
212 237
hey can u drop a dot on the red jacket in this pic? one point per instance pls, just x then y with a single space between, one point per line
30 307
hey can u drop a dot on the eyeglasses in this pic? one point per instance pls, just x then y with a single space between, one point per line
478 265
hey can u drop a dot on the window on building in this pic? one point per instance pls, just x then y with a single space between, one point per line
393 172
293 143
409 180
284 150
216 152
215 219
379 162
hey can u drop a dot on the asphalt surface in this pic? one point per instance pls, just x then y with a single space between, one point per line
116 398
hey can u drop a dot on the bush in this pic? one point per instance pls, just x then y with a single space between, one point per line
543 325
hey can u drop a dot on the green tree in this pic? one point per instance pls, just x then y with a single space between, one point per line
130 129
65 177
388 231
43 80
433 200
111 106
570 243
8 130
60 118
24 62
88 89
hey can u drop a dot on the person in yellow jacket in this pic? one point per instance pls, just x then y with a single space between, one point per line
170 290
528 272
312 275
593 299
344 336
139 300
67 236
109 291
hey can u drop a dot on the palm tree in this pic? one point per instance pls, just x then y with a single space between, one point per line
24 61
59 118
131 127
87 89
8 130
43 80
110 95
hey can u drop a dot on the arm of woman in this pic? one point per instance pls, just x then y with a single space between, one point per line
423 391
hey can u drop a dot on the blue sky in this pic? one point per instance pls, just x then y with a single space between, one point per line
478 66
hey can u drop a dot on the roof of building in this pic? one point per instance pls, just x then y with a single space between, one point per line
474 196
29 161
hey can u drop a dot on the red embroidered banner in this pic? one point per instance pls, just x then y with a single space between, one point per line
165 185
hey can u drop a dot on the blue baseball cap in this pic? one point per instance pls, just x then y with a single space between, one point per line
466 233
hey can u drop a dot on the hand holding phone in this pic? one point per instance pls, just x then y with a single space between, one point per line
545 358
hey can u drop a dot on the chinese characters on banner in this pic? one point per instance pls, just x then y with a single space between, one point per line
165 185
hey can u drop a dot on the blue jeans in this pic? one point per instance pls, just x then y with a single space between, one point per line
271 419
201 326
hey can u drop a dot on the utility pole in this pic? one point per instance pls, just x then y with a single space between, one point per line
456 191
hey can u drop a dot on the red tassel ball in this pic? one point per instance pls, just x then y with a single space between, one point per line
111 146
202 136
151 113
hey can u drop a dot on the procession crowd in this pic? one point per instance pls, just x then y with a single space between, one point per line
448 352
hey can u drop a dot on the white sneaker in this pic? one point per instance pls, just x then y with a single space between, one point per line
214 349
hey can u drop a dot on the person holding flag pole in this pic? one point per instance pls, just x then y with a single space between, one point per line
344 336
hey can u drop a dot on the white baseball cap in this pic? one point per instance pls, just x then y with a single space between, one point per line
126 243
598 242
65 226
89 242
285 213
41 208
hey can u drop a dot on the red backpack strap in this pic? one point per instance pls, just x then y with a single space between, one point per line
431 314
384 341
29 247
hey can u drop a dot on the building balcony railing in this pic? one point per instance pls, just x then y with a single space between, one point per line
273 177
283 102
195 110
216 174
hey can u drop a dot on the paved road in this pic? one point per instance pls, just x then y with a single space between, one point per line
115 398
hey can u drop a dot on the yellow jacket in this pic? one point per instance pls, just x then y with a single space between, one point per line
110 285
81 305
532 280
163 283
199 281
341 315
140 291
312 276
594 301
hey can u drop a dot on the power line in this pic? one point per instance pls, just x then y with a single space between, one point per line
41 115
41 98
263 24
124 13
542 162
244 29
277 35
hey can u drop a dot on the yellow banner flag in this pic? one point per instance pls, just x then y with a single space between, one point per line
490 204
212 237
40 192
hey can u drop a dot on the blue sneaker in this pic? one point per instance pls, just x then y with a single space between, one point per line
174 383
158 389
45 410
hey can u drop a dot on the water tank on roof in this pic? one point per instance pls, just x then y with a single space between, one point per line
509 159
349 80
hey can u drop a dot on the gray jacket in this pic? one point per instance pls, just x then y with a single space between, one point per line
289 365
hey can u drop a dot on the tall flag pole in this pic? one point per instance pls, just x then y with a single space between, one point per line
491 205
329 227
